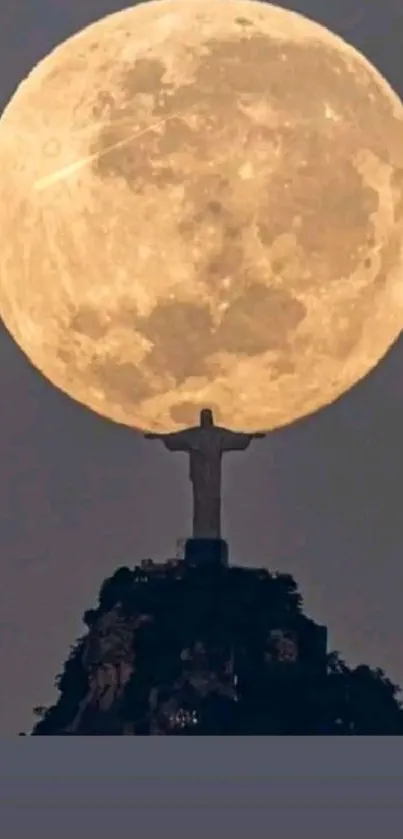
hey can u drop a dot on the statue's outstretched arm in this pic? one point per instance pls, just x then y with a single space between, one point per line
234 441
177 441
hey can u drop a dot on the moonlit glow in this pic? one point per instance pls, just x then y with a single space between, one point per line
202 204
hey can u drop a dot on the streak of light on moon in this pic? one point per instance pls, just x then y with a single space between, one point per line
65 171
202 204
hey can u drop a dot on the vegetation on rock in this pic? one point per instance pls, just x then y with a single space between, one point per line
173 650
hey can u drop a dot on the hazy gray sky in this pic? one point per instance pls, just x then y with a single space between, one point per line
80 496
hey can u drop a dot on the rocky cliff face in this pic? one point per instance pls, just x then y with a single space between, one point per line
108 658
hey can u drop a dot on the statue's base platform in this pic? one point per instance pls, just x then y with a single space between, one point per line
206 552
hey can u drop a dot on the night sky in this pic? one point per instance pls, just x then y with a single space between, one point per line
80 496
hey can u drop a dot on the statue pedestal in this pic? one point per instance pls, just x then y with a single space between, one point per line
206 552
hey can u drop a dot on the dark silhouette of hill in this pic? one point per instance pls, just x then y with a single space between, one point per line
173 649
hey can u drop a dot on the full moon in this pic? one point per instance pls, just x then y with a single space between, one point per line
202 205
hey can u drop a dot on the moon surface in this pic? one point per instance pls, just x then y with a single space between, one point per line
202 205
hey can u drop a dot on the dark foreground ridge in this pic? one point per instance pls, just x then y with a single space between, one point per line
175 649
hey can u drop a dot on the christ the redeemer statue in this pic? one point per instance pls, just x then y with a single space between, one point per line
205 444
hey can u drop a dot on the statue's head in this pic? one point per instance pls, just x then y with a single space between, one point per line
206 418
